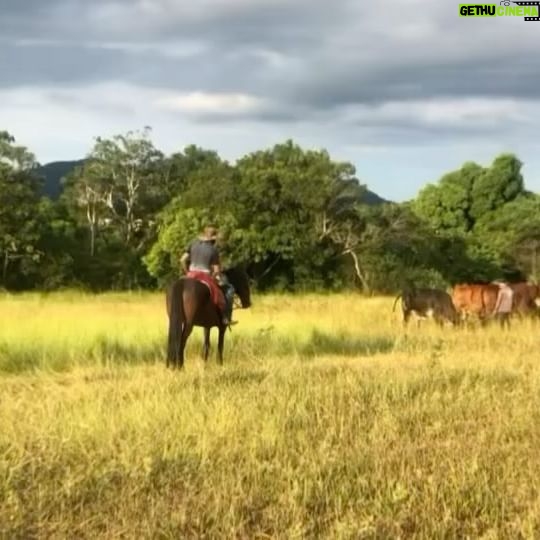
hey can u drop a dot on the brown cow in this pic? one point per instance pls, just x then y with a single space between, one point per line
476 299
525 295
479 299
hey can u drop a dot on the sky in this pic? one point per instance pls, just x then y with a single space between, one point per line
406 90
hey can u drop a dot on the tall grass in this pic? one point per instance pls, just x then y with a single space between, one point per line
326 420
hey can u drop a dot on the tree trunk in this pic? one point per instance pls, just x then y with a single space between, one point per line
534 262
5 268
91 217
359 272
92 239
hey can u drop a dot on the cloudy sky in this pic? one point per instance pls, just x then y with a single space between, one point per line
404 89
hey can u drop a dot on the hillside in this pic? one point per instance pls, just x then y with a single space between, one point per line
54 172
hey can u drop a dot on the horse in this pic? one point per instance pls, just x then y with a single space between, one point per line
189 304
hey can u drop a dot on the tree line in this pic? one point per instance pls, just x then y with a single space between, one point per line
297 218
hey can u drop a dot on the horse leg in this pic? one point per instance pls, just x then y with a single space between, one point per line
175 310
206 346
221 340
186 331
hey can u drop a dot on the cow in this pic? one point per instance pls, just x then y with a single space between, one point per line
479 299
426 303
525 297
475 299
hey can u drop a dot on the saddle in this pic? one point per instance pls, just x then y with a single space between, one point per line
216 294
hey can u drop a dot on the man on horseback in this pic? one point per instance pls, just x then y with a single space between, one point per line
202 256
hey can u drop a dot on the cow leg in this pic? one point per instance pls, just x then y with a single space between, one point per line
206 344
483 320
406 316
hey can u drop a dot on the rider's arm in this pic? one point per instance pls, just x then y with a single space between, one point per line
216 263
498 302
184 260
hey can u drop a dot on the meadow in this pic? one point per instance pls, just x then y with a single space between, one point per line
326 420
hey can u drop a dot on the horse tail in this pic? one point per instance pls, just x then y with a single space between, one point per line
395 302
176 320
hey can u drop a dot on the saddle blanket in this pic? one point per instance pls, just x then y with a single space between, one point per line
216 294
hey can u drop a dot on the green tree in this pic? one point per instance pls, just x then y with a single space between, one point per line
19 211
447 205
189 172
277 209
289 202
86 194
129 167
178 227
513 231
497 186
116 196
466 209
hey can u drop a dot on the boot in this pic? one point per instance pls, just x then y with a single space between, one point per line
227 315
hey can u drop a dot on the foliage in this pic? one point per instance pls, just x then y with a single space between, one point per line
297 218
178 227
481 215
19 213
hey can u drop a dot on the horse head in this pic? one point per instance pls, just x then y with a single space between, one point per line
239 279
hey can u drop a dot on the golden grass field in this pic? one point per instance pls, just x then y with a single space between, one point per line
327 420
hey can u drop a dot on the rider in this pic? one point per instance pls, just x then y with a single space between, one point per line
202 255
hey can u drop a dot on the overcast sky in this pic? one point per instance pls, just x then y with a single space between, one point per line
404 89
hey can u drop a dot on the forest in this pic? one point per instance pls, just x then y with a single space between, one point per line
298 219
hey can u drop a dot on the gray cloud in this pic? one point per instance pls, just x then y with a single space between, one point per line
389 73
314 53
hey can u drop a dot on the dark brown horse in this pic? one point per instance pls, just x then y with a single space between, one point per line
189 304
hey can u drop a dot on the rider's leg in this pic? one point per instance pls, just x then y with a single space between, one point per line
228 291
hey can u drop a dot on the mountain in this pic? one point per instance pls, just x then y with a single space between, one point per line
373 199
54 172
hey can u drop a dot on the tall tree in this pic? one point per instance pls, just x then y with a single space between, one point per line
128 167
19 209
87 192
290 199
447 205
116 195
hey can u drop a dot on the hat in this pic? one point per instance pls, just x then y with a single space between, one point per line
210 233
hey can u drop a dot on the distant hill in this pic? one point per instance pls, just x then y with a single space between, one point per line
373 199
54 172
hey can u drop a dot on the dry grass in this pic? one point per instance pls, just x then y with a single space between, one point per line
326 420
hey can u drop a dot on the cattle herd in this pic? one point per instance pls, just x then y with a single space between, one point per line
466 301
